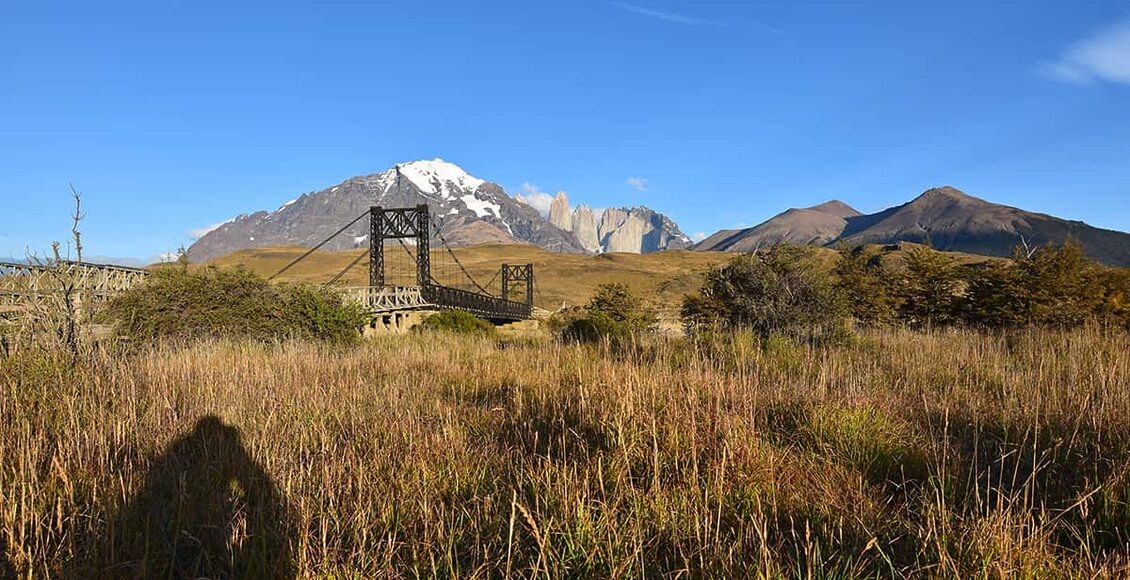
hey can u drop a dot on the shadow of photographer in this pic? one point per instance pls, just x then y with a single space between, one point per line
207 509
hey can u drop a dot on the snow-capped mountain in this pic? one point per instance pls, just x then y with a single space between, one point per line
467 210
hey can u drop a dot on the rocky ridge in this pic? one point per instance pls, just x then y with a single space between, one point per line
638 230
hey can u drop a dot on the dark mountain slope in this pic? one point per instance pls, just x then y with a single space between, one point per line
817 225
952 220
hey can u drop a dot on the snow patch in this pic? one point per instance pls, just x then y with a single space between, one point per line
287 204
252 238
360 239
482 208
438 177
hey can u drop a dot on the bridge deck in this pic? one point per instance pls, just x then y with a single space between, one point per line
383 299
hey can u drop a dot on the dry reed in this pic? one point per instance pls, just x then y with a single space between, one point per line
946 454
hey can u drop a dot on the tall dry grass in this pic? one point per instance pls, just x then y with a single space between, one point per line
947 454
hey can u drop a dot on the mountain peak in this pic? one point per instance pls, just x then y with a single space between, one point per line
432 176
559 214
945 192
837 208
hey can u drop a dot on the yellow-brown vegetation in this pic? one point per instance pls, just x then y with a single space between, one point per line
945 454
568 279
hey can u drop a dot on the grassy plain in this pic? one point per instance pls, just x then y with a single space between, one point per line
661 278
944 454
568 279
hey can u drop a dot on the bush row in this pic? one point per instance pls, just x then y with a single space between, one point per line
789 290
794 291
182 303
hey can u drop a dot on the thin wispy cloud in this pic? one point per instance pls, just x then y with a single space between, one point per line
685 19
638 183
536 198
668 16
198 233
1104 56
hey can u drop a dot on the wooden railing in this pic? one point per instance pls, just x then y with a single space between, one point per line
391 298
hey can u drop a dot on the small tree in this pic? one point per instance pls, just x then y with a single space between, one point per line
617 302
1050 285
55 309
1115 283
930 289
780 291
864 283
1059 285
994 296
613 312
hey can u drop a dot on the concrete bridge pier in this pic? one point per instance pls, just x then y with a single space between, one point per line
396 322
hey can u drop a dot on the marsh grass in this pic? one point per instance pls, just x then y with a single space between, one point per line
947 454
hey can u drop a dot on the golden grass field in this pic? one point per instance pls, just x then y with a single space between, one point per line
661 278
569 279
945 454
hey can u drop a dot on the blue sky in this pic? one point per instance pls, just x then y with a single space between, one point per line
171 116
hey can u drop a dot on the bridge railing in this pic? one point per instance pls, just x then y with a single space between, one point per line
386 298
389 298
477 304
20 281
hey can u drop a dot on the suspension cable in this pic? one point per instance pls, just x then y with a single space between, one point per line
457 262
413 256
493 278
342 273
315 248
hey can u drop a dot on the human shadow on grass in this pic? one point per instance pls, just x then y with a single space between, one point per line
6 568
207 509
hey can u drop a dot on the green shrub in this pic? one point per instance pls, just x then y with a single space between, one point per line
1115 307
863 281
178 303
318 313
614 312
457 321
594 328
929 289
1053 286
780 291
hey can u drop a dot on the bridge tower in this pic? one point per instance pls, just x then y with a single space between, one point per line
400 223
518 273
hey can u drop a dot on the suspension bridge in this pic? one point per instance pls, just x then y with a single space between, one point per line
437 279
448 287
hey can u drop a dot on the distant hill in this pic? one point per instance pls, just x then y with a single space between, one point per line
946 218
817 225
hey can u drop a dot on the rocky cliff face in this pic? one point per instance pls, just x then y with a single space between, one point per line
584 227
559 212
637 230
